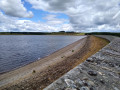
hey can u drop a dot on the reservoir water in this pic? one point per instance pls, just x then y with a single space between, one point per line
19 50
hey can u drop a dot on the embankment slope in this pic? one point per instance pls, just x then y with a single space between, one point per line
101 71
40 74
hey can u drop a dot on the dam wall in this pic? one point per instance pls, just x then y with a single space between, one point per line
101 71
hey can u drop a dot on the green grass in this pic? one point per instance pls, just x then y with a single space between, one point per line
104 33
34 71
72 50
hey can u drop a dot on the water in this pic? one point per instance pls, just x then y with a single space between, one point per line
19 50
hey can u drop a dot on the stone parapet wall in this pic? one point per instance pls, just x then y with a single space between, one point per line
101 71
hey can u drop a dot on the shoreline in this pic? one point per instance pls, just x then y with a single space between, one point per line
43 72
101 71
83 36
17 75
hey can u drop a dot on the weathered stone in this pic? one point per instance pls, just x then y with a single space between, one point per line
70 89
70 83
102 81
90 60
92 73
111 64
90 83
85 78
92 88
115 88
84 88
80 82
100 73
119 74
85 84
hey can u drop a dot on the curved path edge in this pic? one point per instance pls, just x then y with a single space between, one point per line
101 71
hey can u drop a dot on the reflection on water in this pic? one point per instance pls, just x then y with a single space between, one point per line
19 50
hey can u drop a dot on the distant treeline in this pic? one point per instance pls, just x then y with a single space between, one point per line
22 33
41 33
103 33
58 33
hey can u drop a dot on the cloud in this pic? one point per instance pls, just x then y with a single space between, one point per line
15 8
13 24
53 20
85 15
116 15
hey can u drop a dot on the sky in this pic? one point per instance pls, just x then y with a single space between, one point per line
59 15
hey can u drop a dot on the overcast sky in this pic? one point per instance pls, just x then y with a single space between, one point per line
60 15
